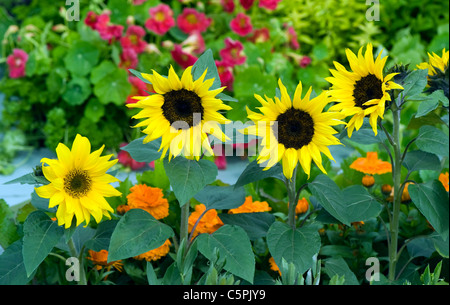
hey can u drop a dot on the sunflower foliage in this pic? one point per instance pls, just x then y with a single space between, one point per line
333 180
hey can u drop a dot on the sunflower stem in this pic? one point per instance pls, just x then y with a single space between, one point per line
73 253
292 195
184 224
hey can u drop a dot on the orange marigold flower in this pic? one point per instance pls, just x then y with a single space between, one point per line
368 180
302 206
273 266
405 194
155 254
444 180
386 189
100 260
250 206
149 199
209 222
371 165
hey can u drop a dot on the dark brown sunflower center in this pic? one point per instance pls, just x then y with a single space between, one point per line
77 183
294 128
180 106
367 88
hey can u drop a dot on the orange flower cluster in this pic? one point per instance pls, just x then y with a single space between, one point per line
100 260
371 165
155 254
250 206
209 222
146 198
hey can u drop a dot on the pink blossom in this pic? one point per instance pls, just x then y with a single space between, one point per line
269 4
226 74
128 59
232 53
191 20
16 63
161 19
91 19
228 5
138 2
305 61
221 162
292 38
133 39
241 25
194 43
181 57
260 35
246 4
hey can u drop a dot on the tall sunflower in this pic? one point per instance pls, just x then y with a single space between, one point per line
362 92
294 131
78 183
182 112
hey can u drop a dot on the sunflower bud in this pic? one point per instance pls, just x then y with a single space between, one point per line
368 181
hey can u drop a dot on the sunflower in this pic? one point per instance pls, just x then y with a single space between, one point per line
294 131
436 63
362 92
182 113
78 183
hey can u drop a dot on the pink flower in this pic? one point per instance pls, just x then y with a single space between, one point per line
161 19
269 4
305 61
138 2
91 19
221 162
260 35
226 74
246 4
190 21
182 58
228 5
133 39
232 53
292 37
128 59
16 63
126 160
241 25
194 43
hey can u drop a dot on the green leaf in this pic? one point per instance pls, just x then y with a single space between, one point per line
103 69
255 225
102 236
433 140
30 178
77 91
415 82
8 229
206 62
221 197
429 102
432 201
295 246
421 246
94 110
81 58
188 177
12 268
137 232
254 172
337 266
359 204
139 75
420 160
234 245
441 245
113 88
143 152
41 234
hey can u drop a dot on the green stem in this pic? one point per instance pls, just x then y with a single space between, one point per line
74 253
292 195
397 166
184 224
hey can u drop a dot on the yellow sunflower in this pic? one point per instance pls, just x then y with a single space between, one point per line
78 183
362 92
435 63
182 112
294 131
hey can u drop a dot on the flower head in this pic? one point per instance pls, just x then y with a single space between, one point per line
138 87
260 35
362 92
241 25
438 73
209 222
182 113
250 206
190 20
228 5
371 165
443 177
155 254
150 199
183 58
161 19
292 38
246 4
232 54
269 4
78 183
16 63
100 260
128 59
226 74
302 206
133 39
294 131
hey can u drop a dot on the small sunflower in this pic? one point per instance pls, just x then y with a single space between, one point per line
294 131
78 183
362 92
436 63
182 113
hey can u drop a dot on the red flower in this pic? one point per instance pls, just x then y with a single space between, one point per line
161 19
241 25
305 61
133 39
228 5
91 19
269 4
182 58
246 4
232 53
128 59
16 63
190 21
221 162
226 74
260 35
292 37
138 2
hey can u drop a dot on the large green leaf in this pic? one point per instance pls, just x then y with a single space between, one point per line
432 201
338 266
143 152
188 177
421 160
415 82
137 232
254 172
295 246
12 268
81 58
221 197
41 234
359 204
255 225
432 140
8 229
113 88
77 91
234 246
102 236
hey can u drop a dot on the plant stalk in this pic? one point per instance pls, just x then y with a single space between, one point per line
292 195
184 224
74 253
